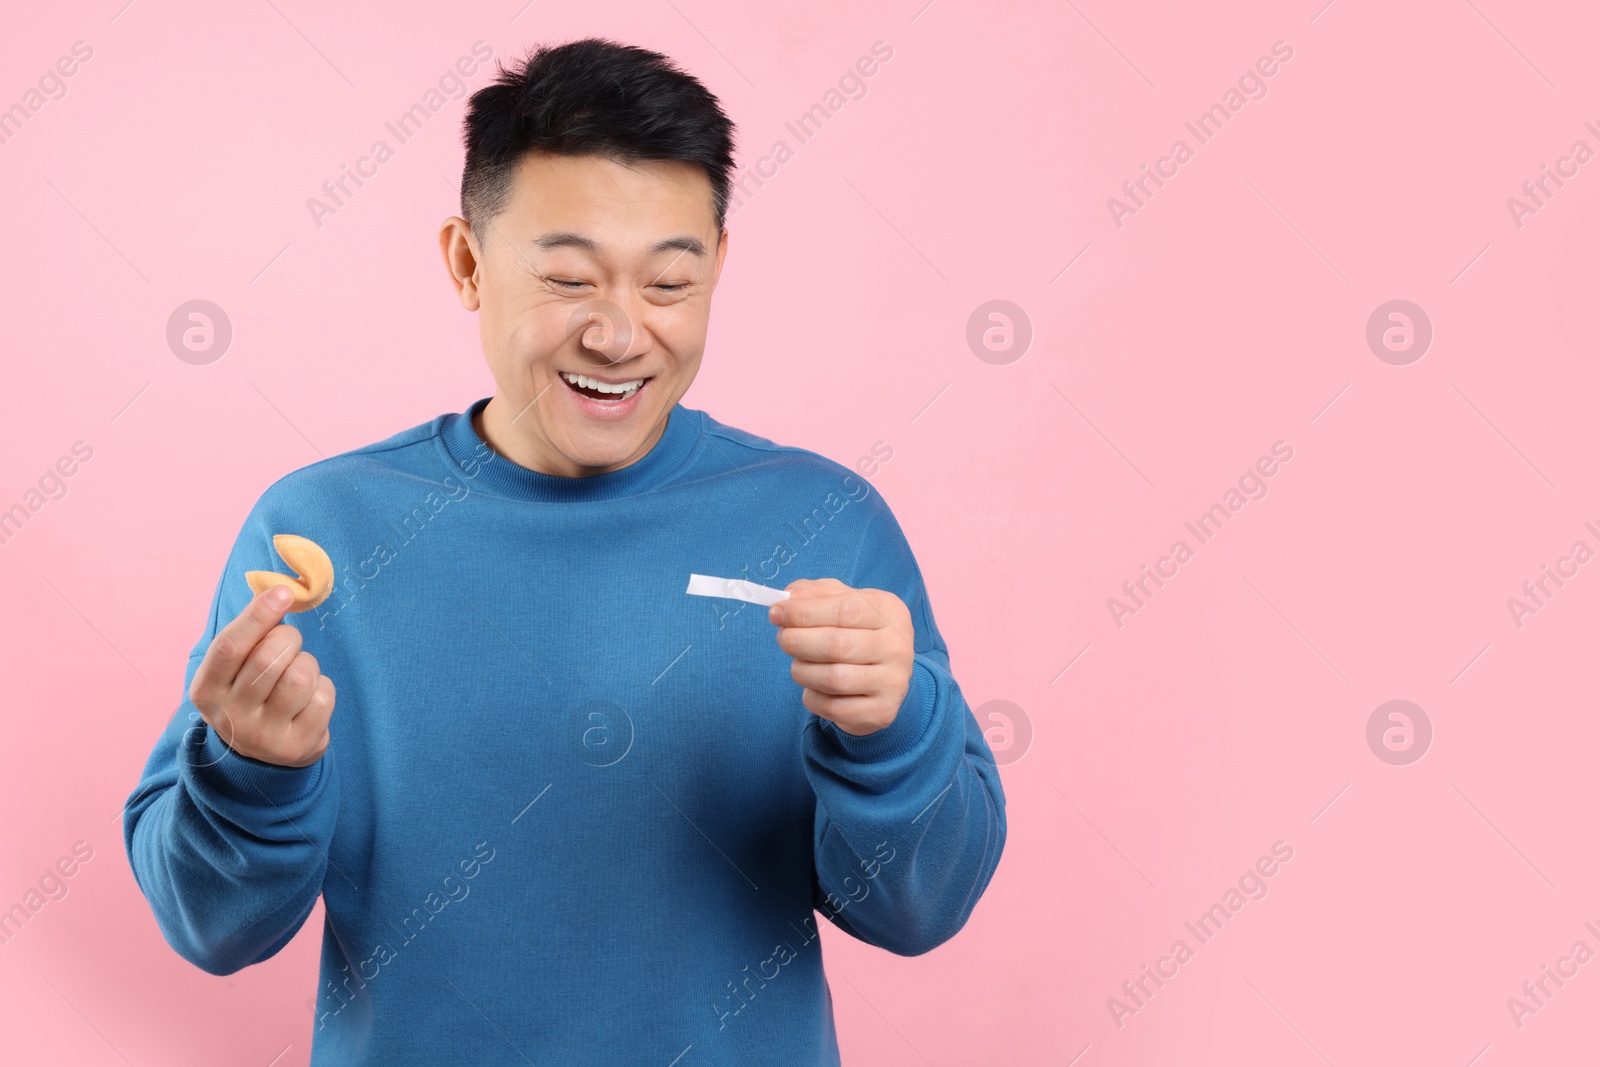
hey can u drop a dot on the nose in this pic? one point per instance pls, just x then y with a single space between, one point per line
608 330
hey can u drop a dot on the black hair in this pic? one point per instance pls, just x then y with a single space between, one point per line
590 97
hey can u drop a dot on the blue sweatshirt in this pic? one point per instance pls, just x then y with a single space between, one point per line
569 814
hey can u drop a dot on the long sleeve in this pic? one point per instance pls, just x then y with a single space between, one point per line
910 819
229 851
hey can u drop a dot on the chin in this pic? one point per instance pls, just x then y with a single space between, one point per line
603 446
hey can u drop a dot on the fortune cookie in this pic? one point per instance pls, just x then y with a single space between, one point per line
313 579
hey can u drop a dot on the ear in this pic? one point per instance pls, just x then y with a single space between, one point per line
462 258
722 254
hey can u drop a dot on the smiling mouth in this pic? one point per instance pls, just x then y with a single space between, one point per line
603 392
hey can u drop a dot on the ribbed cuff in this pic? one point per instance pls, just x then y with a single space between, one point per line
247 780
910 722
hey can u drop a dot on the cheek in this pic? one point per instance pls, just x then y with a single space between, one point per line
529 328
681 329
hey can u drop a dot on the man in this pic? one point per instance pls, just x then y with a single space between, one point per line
567 813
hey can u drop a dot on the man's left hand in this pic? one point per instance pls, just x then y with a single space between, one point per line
852 648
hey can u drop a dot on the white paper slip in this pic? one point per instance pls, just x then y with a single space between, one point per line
735 589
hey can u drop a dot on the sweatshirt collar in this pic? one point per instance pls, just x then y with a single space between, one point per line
486 471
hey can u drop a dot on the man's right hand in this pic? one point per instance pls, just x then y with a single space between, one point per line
264 696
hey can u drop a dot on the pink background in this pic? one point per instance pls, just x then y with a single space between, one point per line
1228 313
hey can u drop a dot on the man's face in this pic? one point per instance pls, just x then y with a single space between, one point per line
596 269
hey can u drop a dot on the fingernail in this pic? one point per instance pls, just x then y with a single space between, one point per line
279 597
775 613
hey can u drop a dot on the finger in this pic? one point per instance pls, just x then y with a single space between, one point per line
846 608
813 586
238 639
833 707
264 666
294 687
299 739
833 679
831 644
318 711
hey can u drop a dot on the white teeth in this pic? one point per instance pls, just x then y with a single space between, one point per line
622 389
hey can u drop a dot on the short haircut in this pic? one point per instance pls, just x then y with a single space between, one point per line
590 97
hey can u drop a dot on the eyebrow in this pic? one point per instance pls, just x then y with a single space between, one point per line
567 239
